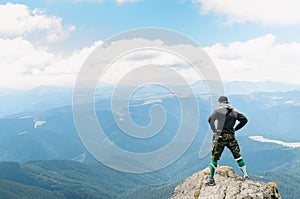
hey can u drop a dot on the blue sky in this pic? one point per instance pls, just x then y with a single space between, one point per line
100 20
75 25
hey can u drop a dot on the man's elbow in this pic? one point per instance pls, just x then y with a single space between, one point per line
244 120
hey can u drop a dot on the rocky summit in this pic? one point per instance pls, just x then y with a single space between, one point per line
228 186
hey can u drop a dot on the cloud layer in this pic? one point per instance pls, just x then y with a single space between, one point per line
259 59
264 12
100 1
18 19
23 64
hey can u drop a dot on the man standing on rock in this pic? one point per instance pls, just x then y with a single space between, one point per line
224 135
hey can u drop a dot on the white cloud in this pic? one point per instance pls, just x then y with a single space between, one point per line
24 65
72 64
18 19
259 59
264 12
292 103
100 1
19 56
125 1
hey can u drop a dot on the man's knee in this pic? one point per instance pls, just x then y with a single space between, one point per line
240 161
237 156
215 157
236 152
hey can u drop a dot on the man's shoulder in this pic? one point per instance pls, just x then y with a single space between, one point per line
236 110
220 109
223 110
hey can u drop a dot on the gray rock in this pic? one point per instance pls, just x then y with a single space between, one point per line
228 186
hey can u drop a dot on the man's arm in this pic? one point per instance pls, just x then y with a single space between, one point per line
242 121
211 121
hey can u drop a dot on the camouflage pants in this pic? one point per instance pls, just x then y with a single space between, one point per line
230 142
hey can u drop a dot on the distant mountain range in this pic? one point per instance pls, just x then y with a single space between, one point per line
51 134
48 97
37 99
37 134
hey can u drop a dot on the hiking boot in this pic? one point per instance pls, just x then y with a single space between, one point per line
210 182
246 178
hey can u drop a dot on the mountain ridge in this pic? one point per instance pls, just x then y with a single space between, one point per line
66 179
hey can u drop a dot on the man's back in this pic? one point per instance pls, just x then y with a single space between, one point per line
226 116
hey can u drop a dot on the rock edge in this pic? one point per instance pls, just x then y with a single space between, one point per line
228 186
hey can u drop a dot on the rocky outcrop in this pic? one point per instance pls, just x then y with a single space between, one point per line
228 186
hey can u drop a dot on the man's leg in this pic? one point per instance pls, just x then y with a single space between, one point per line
217 151
212 168
235 150
242 166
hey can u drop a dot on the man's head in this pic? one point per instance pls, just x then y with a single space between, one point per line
223 100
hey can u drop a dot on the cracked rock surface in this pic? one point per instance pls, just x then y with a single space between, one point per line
228 186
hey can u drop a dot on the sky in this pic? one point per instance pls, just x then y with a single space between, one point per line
46 42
